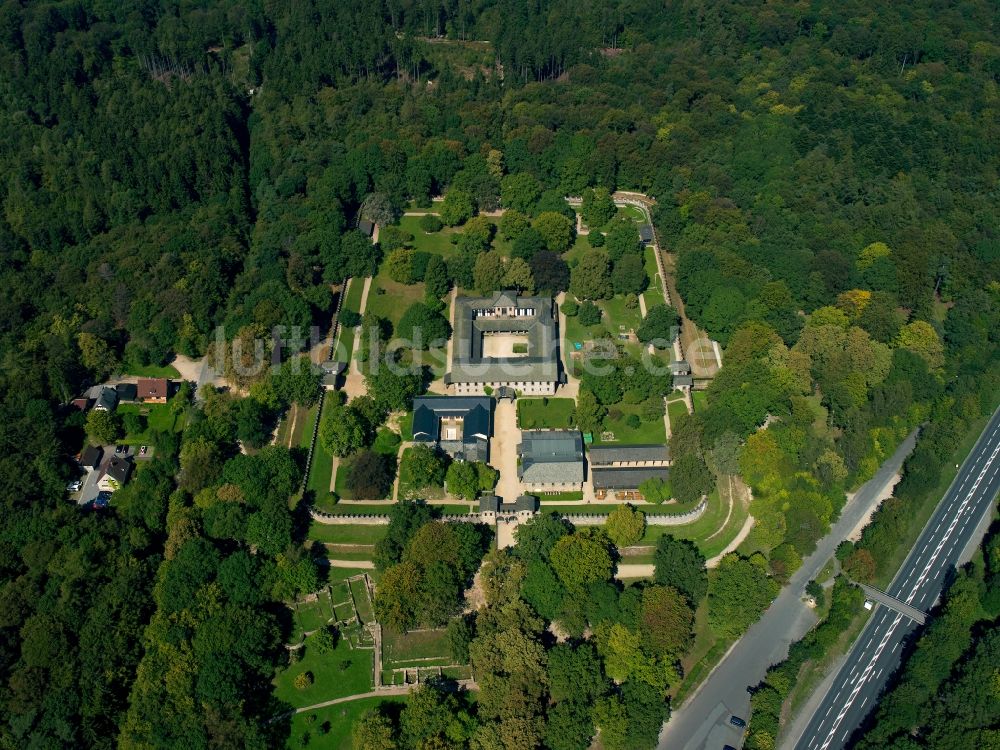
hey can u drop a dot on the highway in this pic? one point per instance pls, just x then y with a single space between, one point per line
702 722
875 655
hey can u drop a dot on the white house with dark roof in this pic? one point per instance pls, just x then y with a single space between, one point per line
460 425
550 460
531 367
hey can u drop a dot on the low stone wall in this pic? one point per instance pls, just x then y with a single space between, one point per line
578 519
659 519
366 520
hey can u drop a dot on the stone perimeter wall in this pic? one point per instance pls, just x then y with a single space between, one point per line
581 519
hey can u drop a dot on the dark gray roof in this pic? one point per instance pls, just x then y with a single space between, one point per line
468 363
626 478
680 367
366 227
127 391
680 380
600 455
551 456
475 410
526 502
120 468
107 398
91 456
494 504
489 503
645 233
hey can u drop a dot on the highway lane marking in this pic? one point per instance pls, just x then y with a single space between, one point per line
951 526
895 647
892 628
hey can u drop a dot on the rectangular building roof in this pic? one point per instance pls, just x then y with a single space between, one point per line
468 363
601 455
475 411
551 456
627 478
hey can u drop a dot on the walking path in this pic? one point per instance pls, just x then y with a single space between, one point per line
634 571
359 564
354 381
395 690
572 387
503 450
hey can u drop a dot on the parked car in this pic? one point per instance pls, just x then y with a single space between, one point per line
119 448
74 486
736 721
142 450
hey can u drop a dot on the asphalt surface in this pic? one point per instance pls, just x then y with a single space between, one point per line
876 654
702 722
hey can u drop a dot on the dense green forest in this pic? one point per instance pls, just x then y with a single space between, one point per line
825 177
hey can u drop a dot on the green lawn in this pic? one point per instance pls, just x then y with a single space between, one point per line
703 527
347 534
339 717
406 426
309 616
617 317
321 467
154 371
159 418
436 242
676 409
405 649
700 400
632 212
345 671
654 292
308 422
560 497
345 336
386 442
338 575
389 299
361 601
542 413
647 432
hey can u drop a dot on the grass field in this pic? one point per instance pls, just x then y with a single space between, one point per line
436 242
415 648
337 719
352 534
158 419
700 400
320 471
364 605
647 431
309 616
154 371
545 413
561 497
617 317
345 671
654 293
339 575
389 299
676 409
345 336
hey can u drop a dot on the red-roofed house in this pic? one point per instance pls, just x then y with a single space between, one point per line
153 390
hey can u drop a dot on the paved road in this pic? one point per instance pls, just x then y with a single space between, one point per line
875 655
703 721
